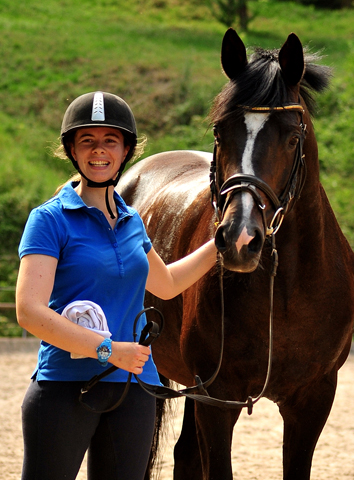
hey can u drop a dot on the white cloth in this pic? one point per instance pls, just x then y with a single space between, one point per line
89 315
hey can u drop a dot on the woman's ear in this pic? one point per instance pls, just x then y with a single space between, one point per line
72 151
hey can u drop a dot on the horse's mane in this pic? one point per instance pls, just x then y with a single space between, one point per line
261 84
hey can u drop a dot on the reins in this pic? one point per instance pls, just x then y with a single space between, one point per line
197 392
237 182
148 335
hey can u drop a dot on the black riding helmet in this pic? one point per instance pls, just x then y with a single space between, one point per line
99 109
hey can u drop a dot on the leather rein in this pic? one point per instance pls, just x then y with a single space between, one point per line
234 184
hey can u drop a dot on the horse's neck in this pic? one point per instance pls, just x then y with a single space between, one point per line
311 226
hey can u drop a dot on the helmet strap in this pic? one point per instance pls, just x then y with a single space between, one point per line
106 184
108 205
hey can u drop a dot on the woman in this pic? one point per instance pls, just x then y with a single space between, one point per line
86 245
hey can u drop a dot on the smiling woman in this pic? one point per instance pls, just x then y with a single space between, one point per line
99 153
102 147
99 109
86 248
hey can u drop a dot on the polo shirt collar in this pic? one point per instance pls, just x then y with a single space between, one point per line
72 201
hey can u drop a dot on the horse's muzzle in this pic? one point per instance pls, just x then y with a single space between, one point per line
240 245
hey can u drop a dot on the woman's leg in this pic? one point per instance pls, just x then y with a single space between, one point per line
56 430
120 448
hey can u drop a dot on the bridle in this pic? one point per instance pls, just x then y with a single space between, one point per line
251 183
236 183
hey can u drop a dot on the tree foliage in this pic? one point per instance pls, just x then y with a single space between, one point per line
231 12
329 4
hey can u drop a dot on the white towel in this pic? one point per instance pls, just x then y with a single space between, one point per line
89 315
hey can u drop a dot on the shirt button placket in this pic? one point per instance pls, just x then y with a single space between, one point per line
120 263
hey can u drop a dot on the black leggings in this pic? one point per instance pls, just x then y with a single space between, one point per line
58 430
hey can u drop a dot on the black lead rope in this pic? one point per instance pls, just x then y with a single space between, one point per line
199 392
148 335
151 332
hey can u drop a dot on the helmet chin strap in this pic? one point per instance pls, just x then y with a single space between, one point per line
106 184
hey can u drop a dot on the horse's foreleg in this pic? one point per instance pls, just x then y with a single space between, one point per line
214 432
186 452
304 417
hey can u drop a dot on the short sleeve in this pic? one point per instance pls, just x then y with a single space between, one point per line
41 234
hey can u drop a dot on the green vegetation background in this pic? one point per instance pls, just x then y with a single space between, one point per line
163 57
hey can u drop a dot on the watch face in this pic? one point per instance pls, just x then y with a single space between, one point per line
104 352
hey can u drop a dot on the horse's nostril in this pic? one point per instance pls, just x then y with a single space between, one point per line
224 240
256 243
220 240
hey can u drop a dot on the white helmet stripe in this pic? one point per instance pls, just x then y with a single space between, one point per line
98 107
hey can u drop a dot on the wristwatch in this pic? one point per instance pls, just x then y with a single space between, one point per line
104 351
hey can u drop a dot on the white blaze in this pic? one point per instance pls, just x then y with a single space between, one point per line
254 123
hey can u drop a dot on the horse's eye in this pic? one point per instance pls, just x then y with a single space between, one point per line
216 137
294 141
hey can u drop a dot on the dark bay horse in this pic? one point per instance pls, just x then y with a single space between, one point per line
265 186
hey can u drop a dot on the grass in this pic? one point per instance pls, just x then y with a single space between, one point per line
163 57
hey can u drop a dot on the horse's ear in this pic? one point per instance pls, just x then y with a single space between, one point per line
233 54
291 60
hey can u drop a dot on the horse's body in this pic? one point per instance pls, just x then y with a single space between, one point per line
314 288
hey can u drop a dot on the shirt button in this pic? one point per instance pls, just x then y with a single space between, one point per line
115 245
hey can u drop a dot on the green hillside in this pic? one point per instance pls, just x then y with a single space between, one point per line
163 57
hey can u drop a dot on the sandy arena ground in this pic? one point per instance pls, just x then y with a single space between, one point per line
256 452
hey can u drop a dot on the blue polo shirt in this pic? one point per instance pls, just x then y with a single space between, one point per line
95 262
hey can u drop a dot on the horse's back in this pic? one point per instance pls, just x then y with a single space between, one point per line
183 173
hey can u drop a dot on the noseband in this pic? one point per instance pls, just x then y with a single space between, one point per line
250 183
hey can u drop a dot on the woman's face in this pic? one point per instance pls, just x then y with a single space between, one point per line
99 152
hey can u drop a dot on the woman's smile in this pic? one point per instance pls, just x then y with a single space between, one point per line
99 152
98 163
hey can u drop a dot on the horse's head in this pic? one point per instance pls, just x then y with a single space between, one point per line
259 123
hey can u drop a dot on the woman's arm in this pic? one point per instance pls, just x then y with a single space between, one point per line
34 286
167 281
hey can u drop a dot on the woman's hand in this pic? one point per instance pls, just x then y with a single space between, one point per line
129 356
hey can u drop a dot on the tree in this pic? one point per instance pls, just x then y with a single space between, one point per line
229 12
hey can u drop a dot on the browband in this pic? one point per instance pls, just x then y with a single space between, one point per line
294 108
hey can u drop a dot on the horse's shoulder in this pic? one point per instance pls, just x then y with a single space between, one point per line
177 158
170 164
166 169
